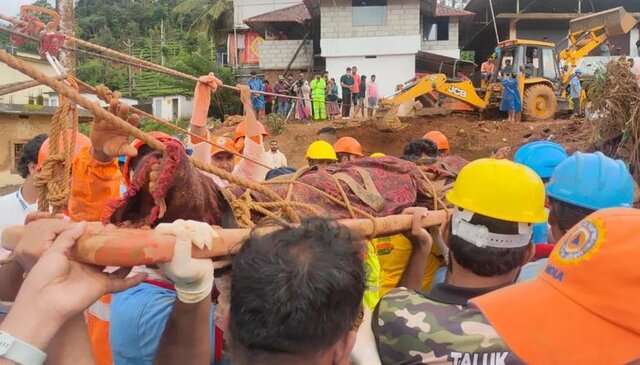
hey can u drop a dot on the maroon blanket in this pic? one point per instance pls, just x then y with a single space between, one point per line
378 186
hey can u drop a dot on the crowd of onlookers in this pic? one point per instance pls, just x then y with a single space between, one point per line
320 98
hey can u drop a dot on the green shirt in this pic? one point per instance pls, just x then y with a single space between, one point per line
347 80
411 328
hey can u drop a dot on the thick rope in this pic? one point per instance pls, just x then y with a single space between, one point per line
54 178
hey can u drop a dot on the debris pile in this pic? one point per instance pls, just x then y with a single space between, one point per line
615 106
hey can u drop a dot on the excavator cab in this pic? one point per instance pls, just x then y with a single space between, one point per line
532 59
534 64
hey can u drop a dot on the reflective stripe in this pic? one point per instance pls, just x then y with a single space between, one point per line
373 288
100 310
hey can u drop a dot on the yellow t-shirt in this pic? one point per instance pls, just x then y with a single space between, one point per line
372 268
393 254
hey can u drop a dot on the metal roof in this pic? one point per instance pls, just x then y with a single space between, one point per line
447 11
296 14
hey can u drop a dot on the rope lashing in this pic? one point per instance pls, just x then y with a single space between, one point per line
54 178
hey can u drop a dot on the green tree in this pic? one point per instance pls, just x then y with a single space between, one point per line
213 17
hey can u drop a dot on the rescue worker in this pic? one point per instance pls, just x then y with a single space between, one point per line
348 149
318 91
580 185
586 294
220 153
320 153
494 203
584 183
252 147
542 157
440 140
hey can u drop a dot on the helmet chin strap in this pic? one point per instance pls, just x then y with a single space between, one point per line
481 237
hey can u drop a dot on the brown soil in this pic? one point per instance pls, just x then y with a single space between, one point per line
469 137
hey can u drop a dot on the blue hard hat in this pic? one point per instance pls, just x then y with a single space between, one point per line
592 181
122 159
542 157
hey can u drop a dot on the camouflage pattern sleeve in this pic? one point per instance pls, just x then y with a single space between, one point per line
413 329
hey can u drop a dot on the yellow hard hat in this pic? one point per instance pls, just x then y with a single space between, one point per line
321 150
377 154
500 189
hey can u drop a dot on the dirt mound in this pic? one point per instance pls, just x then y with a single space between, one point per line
469 137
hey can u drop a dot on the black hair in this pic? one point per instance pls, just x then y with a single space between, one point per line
273 173
568 215
348 68
266 82
296 290
328 130
30 154
418 147
488 261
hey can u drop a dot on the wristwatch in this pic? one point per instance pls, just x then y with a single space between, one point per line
19 351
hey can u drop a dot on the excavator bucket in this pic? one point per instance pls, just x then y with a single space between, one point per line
616 21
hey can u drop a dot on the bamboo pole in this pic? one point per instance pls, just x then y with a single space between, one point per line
110 246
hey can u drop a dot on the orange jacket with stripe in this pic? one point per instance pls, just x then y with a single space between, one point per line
93 183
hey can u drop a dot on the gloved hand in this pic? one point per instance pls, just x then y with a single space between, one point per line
193 278
202 98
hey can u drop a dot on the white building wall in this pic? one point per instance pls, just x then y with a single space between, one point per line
634 36
389 70
9 75
185 107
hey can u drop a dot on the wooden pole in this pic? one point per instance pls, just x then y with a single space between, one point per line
68 28
110 246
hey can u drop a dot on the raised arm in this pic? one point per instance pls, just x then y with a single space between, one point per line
202 99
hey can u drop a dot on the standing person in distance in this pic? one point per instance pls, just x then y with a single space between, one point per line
346 82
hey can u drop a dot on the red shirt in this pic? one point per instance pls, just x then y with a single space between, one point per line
356 84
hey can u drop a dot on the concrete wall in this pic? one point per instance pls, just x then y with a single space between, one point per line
389 70
275 55
14 129
243 9
448 48
9 75
336 16
185 107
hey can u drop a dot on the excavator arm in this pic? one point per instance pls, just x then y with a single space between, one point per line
461 90
590 31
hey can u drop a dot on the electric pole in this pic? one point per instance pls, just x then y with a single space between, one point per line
129 45
67 27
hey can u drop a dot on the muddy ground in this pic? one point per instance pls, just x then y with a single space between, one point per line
470 137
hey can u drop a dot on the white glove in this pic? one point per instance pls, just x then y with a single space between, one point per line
193 278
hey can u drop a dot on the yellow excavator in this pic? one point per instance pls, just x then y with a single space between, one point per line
542 75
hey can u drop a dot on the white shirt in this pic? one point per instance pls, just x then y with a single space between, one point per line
13 211
276 159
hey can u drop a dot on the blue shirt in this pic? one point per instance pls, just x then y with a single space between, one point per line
138 318
575 86
257 100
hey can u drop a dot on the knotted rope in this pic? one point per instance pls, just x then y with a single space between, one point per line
53 180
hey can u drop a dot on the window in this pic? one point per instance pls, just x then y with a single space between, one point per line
548 64
16 152
369 12
435 29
